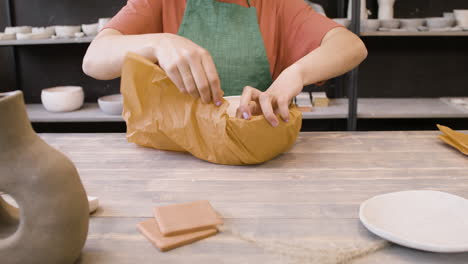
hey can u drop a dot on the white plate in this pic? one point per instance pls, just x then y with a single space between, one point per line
426 220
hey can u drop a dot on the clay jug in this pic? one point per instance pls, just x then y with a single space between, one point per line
51 224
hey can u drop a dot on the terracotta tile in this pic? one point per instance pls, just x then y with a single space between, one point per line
187 217
150 230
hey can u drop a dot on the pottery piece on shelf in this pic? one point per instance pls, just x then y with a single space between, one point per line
63 98
90 29
426 220
67 31
390 23
4 36
385 9
449 15
51 224
45 30
364 14
25 36
102 23
411 23
370 25
79 35
343 21
111 104
22 29
461 15
439 22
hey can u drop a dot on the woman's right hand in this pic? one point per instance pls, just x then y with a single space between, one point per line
190 67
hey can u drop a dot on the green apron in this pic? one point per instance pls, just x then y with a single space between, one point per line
231 34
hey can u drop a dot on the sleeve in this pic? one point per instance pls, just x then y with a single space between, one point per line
303 30
138 17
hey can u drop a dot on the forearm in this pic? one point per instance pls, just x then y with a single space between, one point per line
340 52
105 55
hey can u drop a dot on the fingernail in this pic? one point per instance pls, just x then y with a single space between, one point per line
218 103
275 124
245 115
286 120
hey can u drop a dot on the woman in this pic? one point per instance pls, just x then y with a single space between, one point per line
266 50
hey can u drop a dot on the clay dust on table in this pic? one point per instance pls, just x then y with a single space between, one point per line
306 252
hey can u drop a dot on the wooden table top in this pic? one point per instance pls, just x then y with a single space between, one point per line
301 207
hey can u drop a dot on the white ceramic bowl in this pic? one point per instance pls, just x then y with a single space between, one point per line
22 36
90 29
111 104
461 15
370 25
102 23
449 15
4 36
412 23
67 31
390 23
14 30
62 98
45 30
343 21
439 22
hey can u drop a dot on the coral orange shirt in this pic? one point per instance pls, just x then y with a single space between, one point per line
290 28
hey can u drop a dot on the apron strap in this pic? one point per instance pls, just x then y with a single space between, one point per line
248 3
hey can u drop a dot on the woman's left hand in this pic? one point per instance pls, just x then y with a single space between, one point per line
275 100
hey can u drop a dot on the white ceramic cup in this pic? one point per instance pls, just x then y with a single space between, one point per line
67 31
370 25
14 30
111 104
90 29
102 23
462 17
62 98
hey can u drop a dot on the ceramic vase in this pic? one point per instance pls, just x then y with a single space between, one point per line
364 14
51 224
386 9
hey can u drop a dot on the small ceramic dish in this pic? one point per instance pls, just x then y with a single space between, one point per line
67 31
343 21
4 36
79 35
370 25
412 23
102 23
93 204
15 30
425 220
24 36
111 104
44 30
390 23
461 15
62 98
90 29
449 15
439 22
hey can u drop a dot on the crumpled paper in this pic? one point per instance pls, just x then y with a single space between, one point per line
455 139
159 116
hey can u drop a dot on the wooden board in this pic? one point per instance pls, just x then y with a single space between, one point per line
301 207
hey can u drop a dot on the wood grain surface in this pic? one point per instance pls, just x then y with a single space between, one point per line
301 207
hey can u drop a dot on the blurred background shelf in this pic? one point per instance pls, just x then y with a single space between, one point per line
407 108
90 112
338 109
415 34
28 42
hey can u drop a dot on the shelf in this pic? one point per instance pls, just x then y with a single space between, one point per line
28 42
338 109
88 113
415 34
404 108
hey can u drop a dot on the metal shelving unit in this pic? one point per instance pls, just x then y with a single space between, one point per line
29 42
415 34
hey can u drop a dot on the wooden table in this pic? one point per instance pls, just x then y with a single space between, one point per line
301 207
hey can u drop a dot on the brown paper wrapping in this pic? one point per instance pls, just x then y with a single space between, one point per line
161 117
455 139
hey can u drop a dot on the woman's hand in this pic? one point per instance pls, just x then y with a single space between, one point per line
273 101
190 67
